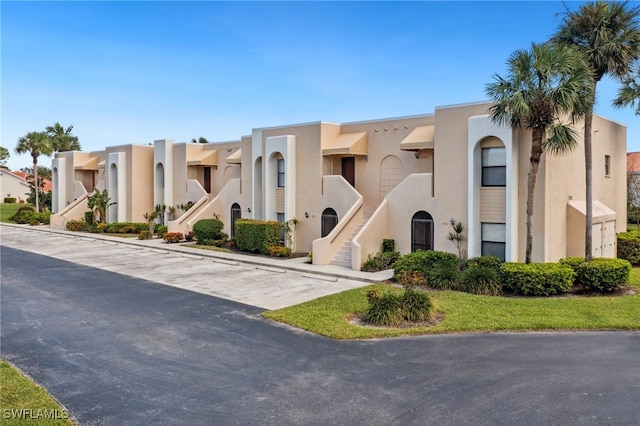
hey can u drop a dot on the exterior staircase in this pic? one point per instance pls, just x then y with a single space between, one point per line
343 257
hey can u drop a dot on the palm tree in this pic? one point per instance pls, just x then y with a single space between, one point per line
36 144
608 35
543 85
62 139
629 92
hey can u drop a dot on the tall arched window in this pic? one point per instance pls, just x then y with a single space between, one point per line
421 231
329 221
236 213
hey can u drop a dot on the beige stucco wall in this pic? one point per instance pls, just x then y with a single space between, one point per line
439 181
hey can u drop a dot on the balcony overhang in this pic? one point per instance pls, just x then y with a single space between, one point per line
600 212
420 138
235 158
347 144
92 165
205 158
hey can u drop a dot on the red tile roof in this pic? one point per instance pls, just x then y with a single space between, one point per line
633 161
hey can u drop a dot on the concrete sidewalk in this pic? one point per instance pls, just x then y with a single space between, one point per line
269 283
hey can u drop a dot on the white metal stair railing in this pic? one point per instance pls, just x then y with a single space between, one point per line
343 257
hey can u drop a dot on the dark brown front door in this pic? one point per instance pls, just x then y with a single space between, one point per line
349 170
207 179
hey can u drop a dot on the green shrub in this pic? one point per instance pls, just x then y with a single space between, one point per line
425 262
9 200
77 225
387 310
604 275
43 217
492 262
416 306
444 277
172 237
145 235
574 263
380 262
410 279
208 230
392 310
256 236
89 217
388 245
629 247
481 279
537 279
189 236
279 251
125 227
161 229
23 214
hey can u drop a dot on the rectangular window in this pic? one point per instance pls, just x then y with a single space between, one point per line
607 165
494 166
281 173
494 237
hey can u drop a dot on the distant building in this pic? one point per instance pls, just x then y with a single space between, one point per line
352 185
14 185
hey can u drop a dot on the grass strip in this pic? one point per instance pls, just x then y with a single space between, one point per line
465 313
24 402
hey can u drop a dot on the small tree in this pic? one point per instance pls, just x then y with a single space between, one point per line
456 236
151 221
36 144
99 202
290 228
4 156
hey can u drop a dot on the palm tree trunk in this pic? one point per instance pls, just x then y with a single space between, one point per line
534 162
35 183
588 160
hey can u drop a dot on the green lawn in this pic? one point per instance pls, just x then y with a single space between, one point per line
464 313
8 210
24 402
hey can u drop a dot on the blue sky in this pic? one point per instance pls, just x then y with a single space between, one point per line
133 72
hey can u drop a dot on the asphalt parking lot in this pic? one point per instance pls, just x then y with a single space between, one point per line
118 349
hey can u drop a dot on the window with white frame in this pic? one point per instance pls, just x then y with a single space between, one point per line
494 166
280 167
494 237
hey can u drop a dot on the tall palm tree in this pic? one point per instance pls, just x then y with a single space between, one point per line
629 92
62 139
36 144
608 35
543 85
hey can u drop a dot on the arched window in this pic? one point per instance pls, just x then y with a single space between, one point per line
329 221
421 231
236 213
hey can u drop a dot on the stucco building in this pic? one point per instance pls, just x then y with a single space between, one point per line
351 185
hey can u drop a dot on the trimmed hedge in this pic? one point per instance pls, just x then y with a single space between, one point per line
537 279
604 275
629 247
126 227
481 279
208 230
256 236
9 200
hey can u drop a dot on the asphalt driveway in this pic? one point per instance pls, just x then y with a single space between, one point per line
121 350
